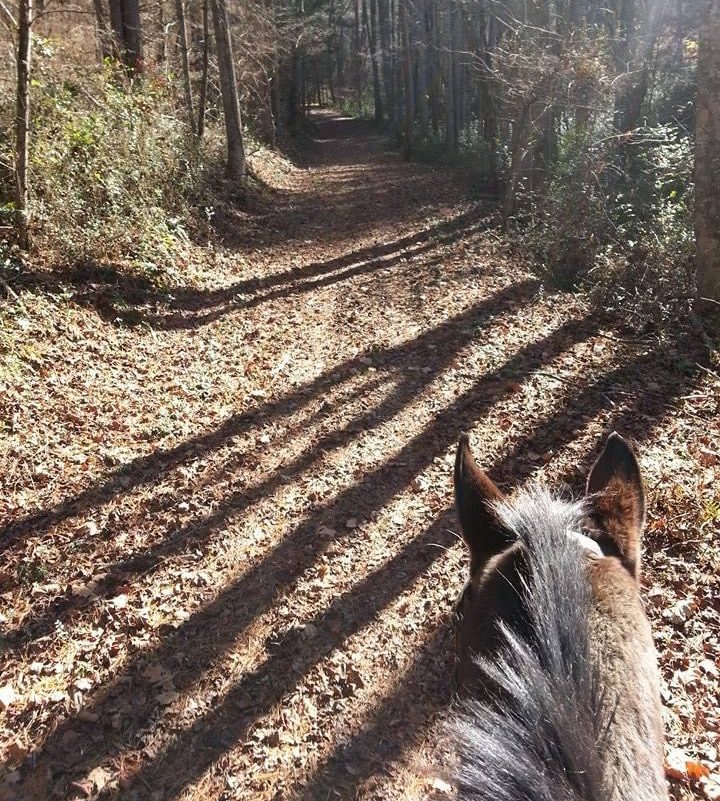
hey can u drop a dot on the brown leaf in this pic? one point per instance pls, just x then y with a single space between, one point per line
708 458
679 767
156 673
167 697
99 777
15 753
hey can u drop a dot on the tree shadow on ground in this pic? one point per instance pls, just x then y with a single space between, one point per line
125 298
435 348
354 610
407 714
212 630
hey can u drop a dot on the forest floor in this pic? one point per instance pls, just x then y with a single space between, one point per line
228 554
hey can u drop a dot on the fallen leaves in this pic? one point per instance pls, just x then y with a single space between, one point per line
157 674
96 781
168 697
276 444
119 601
679 767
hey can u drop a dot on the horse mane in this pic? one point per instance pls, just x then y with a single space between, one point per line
541 736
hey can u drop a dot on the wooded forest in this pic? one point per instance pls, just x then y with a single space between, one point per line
580 117
262 263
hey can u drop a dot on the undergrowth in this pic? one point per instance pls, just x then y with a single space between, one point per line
614 220
115 172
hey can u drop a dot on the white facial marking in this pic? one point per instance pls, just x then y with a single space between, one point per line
586 542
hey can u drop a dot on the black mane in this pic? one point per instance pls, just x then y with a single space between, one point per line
540 738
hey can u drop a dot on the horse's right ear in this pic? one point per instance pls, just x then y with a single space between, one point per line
618 501
475 495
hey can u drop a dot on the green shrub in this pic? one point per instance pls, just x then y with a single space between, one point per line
114 172
615 216
346 103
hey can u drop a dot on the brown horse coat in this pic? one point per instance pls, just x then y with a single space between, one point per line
555 657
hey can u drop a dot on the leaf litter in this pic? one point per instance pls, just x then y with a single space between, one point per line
229 556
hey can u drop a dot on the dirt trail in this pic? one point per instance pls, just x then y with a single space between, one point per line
230 559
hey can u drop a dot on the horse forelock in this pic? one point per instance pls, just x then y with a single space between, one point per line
541 737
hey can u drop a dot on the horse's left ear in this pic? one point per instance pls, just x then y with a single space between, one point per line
475 496
618 502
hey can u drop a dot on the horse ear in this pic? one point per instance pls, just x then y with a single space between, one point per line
475 494
618 501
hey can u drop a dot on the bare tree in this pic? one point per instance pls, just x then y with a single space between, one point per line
22 125
127 29
104 32
371 33
707 164
202 102
185 61
408 77
451 132
236 166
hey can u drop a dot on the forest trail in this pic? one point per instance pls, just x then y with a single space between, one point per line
230 557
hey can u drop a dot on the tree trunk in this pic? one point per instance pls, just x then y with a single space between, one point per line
486 93
104 31
577 14
116 25
236 167
357 65
132 33
451 133
161 46
300 79
330 79
423 70
267 112
518 148
333 46
291 72
707 166
409 88
202 103
22 124
375 26
340 56
634 88
436 69
377 96
127 31
185 61
384 35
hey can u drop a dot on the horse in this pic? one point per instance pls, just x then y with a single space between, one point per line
556 669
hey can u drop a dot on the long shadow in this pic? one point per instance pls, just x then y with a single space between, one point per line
212 630
325 274
441 233
292 658
452 335
126 299
395 724
146 469
426 686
